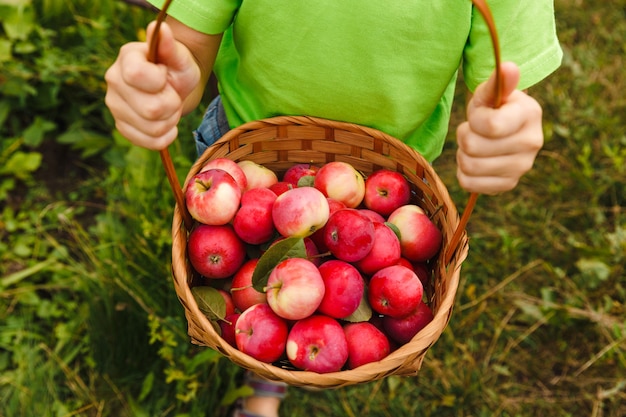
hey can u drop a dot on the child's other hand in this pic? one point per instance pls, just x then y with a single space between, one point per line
498 146
147 99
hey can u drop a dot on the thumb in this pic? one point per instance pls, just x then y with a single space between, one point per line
167 51
487 93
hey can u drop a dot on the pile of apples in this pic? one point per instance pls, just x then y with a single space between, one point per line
322 269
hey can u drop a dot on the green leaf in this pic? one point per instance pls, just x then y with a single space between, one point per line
306 181
34 134
20 164
146 387
394 228
5 50
210 302
292 247
19 21
363 311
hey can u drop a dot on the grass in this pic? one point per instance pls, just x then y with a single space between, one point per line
90 324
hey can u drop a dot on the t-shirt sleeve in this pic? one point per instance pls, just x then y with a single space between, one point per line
527 36
206 16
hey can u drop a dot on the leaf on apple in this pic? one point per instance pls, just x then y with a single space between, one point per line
292 247
394 228
306 181
210 302
362 313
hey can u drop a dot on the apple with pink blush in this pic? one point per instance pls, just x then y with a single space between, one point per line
373 216
228 302
295 172
229 166
227 327
420 239
366 344
318 235
349 234
385 191
212 197
385 251
280 187
395 291
300 212
257 175
343 288
244 295
215 251
262 334
423 272
295 288
318 344
341 181
403 329
253 222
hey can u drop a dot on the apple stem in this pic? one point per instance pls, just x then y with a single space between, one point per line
241 288
319 255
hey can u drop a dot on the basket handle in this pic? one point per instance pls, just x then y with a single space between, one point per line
483 8
166 159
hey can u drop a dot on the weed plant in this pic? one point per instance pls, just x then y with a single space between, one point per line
89 321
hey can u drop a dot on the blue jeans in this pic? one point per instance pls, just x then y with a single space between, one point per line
214 125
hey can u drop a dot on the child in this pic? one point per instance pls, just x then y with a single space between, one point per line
386 64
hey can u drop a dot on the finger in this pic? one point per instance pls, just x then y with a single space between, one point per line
486 93
503 121
486 185
472 141
168 52
140 138
513 166
137 72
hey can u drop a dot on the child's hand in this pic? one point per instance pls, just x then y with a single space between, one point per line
498 146
147 99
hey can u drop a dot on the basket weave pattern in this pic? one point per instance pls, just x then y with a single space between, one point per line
283 141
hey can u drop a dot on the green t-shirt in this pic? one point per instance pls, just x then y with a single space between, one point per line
391 65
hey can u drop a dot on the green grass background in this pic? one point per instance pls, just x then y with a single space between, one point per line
89 321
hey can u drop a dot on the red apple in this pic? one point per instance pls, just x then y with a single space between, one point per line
403 329
312 254
395 291
318 344
339 180
260 333
228 302
253 222
295 288
385 191
366 344
405 262
227 326
422 271
385 251
297 171
280 187
375 217
229 166
300 212
215 251
420 239
343 289
213 197
257 175
318 235
349 235
243 293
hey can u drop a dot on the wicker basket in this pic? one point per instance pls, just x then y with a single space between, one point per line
280 142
